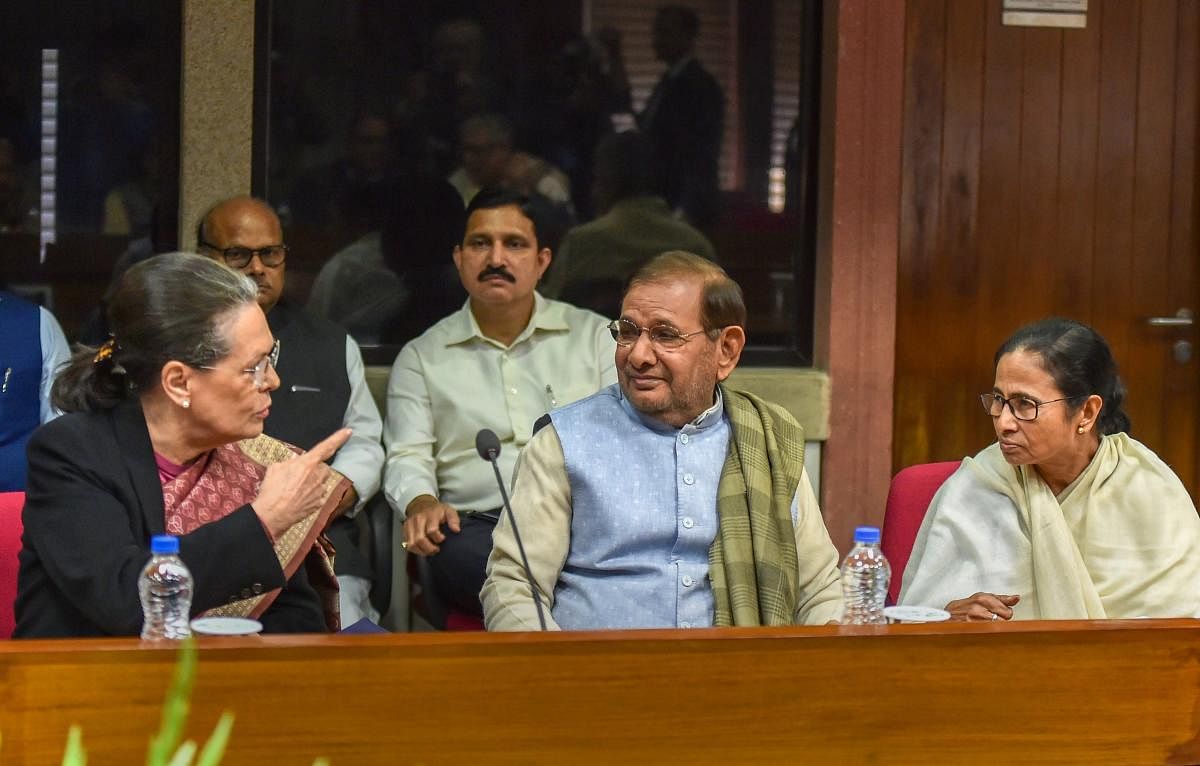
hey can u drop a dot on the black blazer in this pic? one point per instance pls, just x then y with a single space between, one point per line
93 500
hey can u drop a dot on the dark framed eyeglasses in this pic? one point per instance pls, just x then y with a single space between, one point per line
238 257
1022 407
626 333
259 371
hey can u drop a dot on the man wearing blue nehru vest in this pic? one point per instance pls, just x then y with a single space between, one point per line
32 349
667 500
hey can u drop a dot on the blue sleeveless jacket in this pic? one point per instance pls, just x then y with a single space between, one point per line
644 514
20 385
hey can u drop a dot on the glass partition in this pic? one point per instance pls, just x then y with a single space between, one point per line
89 148
376 116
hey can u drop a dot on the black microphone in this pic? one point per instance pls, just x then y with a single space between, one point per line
487 444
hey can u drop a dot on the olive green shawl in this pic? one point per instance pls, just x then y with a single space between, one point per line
752 563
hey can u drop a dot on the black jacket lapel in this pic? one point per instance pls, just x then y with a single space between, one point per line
133 438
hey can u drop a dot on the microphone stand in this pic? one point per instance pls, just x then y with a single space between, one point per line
533 588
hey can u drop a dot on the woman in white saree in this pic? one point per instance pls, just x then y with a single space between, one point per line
1065 516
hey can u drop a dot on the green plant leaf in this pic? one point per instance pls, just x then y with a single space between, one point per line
214 748
75 754
183 756
175 707
174 718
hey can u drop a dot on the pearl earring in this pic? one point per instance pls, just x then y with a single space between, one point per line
1081 430
188 403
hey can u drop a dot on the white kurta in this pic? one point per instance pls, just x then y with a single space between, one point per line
1123 540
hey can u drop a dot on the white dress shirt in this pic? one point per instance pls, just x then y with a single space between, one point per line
56 352
361 457
452 381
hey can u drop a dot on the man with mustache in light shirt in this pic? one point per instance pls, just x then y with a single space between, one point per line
504 359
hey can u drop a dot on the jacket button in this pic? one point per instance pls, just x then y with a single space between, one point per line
257 588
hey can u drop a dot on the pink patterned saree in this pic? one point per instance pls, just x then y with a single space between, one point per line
229 477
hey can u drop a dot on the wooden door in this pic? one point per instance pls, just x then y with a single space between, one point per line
1046 172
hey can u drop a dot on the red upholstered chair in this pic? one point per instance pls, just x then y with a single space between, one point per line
429 605
908 499
10 544
457 621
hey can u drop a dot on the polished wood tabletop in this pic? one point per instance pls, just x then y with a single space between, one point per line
1121 691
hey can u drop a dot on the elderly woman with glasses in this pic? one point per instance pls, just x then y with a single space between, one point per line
1065 516
163 434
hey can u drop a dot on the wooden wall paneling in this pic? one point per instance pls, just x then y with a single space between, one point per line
1115 157
1148 356
925 39
1076 208
957 408
949 377
999 202
1181 434
1084 206
1030 284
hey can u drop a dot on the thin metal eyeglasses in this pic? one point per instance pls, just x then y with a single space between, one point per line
239 257
1022 407
258 371
626 333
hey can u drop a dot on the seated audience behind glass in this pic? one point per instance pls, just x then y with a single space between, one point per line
1065 516
164 435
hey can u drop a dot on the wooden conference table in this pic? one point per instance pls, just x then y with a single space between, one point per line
1062 692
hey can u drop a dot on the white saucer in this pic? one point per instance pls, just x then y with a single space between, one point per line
915 614
226 626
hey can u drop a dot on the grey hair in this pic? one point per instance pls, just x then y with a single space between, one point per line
224 287
175 306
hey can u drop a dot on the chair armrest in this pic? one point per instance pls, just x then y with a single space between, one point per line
379 549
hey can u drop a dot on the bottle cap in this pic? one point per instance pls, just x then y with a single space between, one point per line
866 535
164 545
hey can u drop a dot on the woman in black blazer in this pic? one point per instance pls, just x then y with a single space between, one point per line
160 437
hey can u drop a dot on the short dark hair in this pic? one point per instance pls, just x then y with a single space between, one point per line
169 307
491 197
1080 362
721 301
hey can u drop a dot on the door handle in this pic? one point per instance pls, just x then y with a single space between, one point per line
1182 318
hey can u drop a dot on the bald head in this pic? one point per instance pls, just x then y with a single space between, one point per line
240 224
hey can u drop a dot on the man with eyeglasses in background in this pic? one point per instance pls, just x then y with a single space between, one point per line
323 386
667 500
